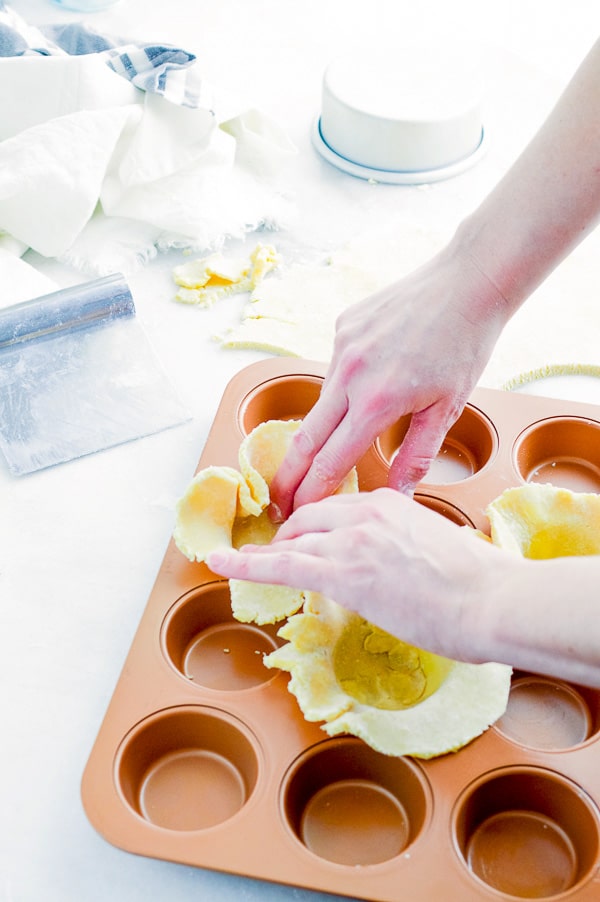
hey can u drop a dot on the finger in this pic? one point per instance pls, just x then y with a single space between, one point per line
322 516
420 446
282 568
332 463
315 429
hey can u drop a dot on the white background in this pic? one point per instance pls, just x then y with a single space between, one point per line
80 544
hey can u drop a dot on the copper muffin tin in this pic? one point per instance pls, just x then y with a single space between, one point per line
204 757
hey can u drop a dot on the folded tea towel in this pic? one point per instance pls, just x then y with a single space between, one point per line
111 150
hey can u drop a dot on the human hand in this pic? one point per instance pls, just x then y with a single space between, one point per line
399 565
417 347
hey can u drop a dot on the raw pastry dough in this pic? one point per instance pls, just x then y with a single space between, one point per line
545 521
295 314
208 510
205 280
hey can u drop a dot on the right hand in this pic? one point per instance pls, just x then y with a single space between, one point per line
416 347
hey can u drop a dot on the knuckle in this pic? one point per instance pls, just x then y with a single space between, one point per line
303 443
406 473
327 468
353 362
381 402
417 470
363 537
283 566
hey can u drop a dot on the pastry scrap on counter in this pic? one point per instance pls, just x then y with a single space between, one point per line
208 279
294 314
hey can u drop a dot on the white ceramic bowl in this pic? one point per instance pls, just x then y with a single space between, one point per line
405 115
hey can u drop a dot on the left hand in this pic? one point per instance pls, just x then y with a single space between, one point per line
386 557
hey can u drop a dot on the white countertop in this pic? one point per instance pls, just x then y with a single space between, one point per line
81 543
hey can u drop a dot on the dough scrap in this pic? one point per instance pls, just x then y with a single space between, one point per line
205 280
295 314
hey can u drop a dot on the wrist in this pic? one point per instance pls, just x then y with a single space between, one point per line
535 615
495 276
484 297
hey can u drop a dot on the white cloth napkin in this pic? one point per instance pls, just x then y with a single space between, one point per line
109 152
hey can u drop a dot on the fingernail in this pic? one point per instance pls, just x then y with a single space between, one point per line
275 515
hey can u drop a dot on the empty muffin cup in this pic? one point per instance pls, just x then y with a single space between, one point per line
527 832
187 768
545 713
564 451
351 805
207 646
285 398
468 447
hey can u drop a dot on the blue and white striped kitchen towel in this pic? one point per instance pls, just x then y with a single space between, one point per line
155 68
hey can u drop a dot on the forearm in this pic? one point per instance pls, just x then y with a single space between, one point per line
543 616
548 201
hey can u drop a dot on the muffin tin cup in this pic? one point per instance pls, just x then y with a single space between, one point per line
527 832
187 768
203 751
562 450
548 714
208 648
348 804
